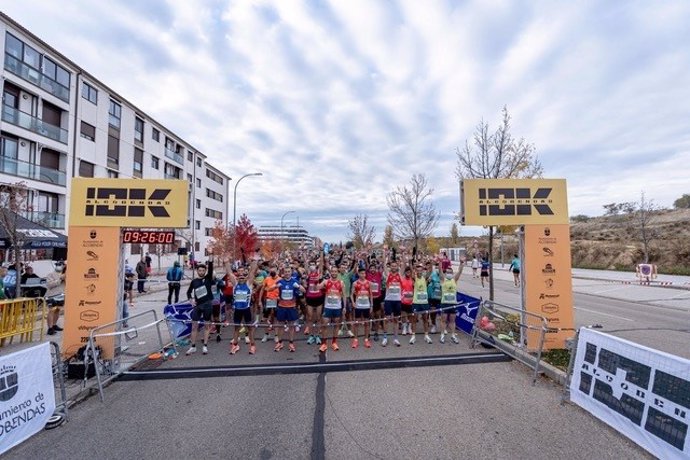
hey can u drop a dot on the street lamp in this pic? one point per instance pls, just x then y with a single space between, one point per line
281 222
234 206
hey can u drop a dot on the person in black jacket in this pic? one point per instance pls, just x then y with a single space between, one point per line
200 294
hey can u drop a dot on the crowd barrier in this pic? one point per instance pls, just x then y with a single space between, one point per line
18 318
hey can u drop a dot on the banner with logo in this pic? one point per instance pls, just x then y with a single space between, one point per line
468 307
513 201
27 397
641 392
129 202
548 282
93 288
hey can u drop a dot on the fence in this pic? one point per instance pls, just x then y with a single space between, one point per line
61 403
113 348
18 317
509 331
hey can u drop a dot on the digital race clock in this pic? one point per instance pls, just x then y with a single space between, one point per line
148 236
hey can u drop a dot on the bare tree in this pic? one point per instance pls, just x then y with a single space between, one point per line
388 238
14 201
360 232
642 214
497 156
454 233
411 213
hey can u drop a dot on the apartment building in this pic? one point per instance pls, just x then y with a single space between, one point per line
58 121
295 234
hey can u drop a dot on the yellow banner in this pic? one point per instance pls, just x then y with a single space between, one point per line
129 202
514 201
548 282
93 286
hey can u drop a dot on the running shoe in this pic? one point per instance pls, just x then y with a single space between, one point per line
292 347
335 346
442 339
252 349
234 348
427 339
367 343
191 350
355 343
323 348
396 342
350 333
310 340
433 329
454 338
318 340
412 340
204 350
404 329
384 342
340 332
278 347
218 339
265 338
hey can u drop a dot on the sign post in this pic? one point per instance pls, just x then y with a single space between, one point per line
99 208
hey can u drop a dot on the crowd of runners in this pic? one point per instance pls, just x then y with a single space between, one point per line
346 295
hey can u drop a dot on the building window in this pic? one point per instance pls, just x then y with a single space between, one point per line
197 224
190 156
155 135
112 174
114 114
189 177
154 162
138 129
113 151
85 169
214 177
197 246
88 131
214 214
89 93
199 162
55 72
198 183
213 194
172 172
138 161
198 203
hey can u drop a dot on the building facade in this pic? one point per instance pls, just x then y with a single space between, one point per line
295 234
59 122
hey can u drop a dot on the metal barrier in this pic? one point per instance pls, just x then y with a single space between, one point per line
61 403
496 310
115 347
18 317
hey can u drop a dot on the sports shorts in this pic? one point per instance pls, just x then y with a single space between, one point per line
202 311
243 315
332 312
406 308
378 303
420 307
315 301
392 307
287 314
362 313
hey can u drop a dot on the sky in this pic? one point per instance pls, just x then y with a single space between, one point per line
337 103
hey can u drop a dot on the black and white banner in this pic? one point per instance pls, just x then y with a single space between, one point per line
641 392
27 397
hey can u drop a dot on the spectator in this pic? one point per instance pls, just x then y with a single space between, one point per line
141 275
174 276
127 297
3 272
31 288
148 261
10 282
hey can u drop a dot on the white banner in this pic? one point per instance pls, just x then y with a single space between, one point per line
27 397
641 392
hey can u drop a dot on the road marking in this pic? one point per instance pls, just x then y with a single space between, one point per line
605 314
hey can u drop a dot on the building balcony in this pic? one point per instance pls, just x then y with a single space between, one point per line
35 77
47 219
174 156
31 171
33 124
171 176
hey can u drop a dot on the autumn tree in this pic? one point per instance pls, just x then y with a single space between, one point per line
361 233
220 244
497 155
412 214
14 201
683 202
245 238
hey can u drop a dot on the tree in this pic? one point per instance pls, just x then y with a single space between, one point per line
683 202
454 234
411 213
220 244
388 239
432 245
642 215
360 232
245 237
497 156
14 201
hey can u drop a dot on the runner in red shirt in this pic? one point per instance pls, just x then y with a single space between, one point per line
333 308
363 303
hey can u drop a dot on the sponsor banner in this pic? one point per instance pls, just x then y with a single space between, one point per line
641 392
128 202
548 282
514 201
93 288
467 312
27 397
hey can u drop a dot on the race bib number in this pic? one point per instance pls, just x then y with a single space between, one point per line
422 297
449 297
241 296
287 294
394 290
363 302
408 295
271 303
333 301
314 288
201 292
374 287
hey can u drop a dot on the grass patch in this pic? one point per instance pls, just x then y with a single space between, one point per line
558 357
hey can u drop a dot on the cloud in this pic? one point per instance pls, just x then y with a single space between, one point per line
339 102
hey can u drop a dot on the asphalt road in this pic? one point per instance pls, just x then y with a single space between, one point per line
480 410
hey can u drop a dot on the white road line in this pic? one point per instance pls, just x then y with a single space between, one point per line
605 314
